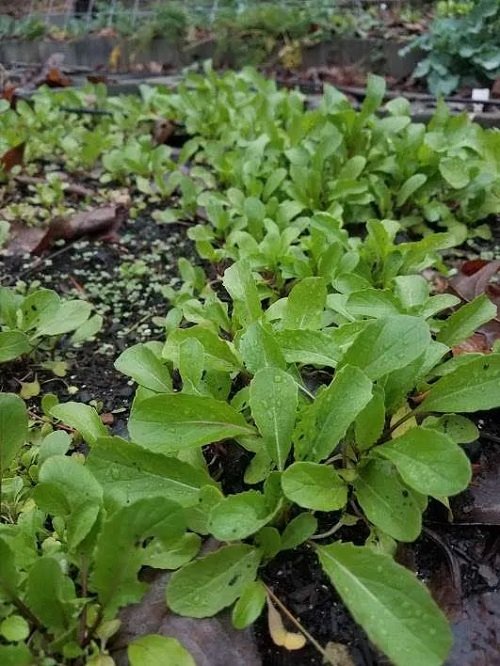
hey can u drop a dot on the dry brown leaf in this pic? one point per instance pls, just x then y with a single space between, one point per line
13 157
162 131
477 343
338 654
281 636
56 79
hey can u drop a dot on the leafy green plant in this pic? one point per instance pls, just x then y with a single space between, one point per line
461 47
32 323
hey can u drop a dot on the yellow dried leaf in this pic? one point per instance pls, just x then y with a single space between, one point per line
29 389
337 654
280 636
114 58
407 425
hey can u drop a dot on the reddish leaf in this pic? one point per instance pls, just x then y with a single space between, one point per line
102 222
56 79
473 278
9 94
477 343
13 157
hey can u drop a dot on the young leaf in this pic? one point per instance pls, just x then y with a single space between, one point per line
13 428
172 553
67 489
429 461
152 650
249 606
168 423
13 344
409 187
204 587
305 304
387 502
140 363
298 530
273 403
56 443
15 655
128 472
388 344
50 594
467 319
393 607
238 516
458 428
218 353
334 411
259 348
8 572
308 347
314 486
369 424
68 317
241 286
119 552
81 417
472 386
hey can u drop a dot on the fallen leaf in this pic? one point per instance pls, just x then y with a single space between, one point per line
473 278
281 636
29 389
481 503
97 78
477 343
56 79
13 157
103 222
162 131
108 418
338 654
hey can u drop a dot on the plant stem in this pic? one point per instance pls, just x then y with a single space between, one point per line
297 624
402 420
328 533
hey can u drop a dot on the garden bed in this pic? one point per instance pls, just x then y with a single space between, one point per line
169 151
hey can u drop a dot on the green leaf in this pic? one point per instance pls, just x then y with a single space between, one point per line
81 417
273 403
68 317
301 528
218 353
429 461
305 304
241 286
412 290
466 320
471 387
50 594
375 91
88 329
8 571
140 363
56 443
128 472
388 344
120 554
409 187
374 303
191 366
172 553
387 502
13 344
334 410
308 347
250 605
314 486
260 349
370 422
152 650
455 172
204 587
459 428
14 629
15 655
238 516
168 423
393 607
13 428
67 489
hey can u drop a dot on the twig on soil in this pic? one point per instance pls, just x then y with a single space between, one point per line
489 436
452 561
